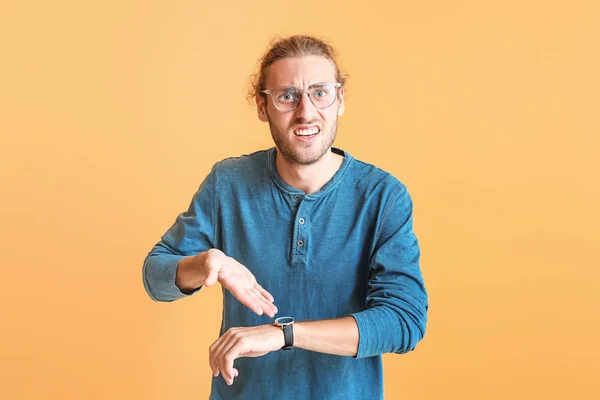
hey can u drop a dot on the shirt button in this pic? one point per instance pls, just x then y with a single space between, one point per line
301 220
300 243
297 197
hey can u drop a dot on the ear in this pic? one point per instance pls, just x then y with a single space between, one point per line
261 108
342 106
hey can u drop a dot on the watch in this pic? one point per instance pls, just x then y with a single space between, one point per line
287 325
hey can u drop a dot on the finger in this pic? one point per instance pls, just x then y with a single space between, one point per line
229 356
211 359
226 361
266 294
267 307
243 290
227 369
225 342
251 299
218 347
229 352
272 307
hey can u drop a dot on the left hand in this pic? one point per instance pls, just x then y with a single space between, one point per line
252 341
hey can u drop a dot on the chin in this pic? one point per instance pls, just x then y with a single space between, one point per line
304 157
300 153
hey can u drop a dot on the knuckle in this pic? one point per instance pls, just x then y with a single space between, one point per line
210 256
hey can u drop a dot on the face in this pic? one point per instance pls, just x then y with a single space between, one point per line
293 131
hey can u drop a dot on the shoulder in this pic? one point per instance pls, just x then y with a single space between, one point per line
369 178
241 167
390 195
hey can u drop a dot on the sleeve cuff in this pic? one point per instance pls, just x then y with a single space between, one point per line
159 275
362 321
375 340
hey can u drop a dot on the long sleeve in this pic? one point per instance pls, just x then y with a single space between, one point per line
192 232
397 301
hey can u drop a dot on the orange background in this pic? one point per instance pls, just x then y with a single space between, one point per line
111 114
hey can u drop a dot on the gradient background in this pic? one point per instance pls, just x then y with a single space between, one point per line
112 113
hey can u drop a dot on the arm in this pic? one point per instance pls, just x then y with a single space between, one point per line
397 301
186 259
339 337
332 336
193 232
394 320
189 276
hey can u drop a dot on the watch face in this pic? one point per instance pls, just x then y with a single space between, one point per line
284 320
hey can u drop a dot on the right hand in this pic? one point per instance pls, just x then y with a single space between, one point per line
238 279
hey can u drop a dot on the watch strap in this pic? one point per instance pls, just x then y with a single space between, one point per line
288 335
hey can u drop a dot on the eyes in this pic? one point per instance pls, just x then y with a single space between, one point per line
321 95
292 95
288 97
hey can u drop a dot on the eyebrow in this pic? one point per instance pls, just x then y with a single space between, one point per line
311 86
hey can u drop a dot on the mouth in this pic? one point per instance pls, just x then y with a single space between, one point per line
307 132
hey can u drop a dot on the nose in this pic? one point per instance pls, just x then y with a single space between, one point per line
305 106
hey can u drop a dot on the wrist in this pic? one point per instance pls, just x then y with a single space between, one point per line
299 329
190 273
278 332
286 324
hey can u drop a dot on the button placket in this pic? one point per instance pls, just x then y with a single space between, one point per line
299 243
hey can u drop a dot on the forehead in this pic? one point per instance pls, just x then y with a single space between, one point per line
300 72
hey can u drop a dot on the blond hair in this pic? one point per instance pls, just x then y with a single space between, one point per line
293 46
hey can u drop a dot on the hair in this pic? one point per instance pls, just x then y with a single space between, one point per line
292 46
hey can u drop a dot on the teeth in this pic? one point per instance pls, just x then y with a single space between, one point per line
307 132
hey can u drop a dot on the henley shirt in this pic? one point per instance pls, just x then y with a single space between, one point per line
347 249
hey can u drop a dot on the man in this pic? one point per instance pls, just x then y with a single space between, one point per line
305 231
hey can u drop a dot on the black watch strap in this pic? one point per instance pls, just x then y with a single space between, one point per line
288 335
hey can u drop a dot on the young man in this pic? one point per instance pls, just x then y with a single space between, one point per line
305 231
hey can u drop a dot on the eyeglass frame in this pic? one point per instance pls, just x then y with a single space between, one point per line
336 86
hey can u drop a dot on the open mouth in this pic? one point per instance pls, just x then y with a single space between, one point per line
307 133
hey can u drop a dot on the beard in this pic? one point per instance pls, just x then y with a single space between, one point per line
299 154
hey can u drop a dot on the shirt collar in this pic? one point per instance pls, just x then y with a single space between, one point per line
335 179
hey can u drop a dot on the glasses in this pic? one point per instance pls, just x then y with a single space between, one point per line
321 95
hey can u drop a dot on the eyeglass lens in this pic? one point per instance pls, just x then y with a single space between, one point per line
322 96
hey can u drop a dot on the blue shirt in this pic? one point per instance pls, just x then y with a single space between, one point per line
348 249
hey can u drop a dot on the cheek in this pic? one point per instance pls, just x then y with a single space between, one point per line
330 116
282 122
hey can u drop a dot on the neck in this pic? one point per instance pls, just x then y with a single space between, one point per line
309 178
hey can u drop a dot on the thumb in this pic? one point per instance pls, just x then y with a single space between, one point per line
213 275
